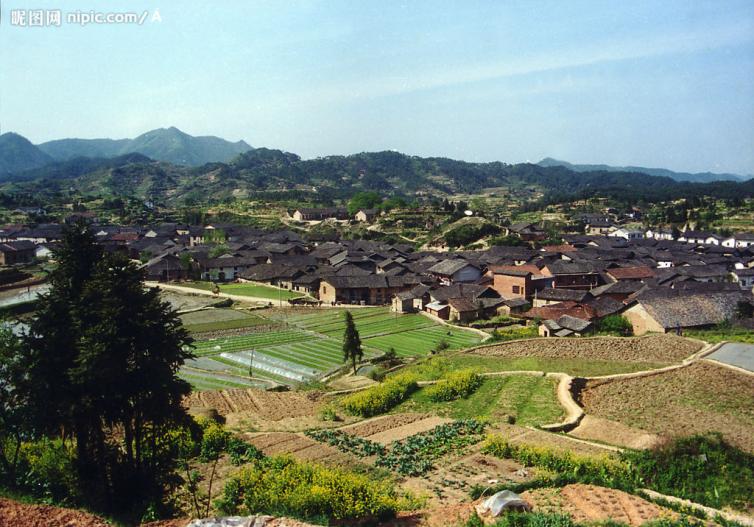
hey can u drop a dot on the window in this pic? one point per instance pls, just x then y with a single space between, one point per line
516 289
324 289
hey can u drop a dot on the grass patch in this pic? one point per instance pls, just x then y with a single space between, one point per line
254 290
436 367
530 399
718 335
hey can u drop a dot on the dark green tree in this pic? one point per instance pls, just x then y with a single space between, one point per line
102 358
351 342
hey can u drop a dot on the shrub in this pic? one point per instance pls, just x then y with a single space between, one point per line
240 452
46 470
704 469
455 385
284 487
328 413
616 325
380 398
603 470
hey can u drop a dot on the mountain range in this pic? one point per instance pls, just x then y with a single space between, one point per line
17 154
170 167
699 177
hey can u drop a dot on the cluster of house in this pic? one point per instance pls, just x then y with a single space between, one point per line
336 213
659 285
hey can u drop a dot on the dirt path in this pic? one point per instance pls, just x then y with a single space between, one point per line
202 292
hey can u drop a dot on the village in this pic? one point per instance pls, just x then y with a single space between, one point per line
656 283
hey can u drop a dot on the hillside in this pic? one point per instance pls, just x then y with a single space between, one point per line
338 177
699 177
18 154
164 144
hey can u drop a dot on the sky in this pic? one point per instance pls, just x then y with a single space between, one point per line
650 83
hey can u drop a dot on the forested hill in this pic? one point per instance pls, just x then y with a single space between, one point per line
698 177
389 172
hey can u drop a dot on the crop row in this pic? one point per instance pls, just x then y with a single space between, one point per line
247 342
414 455
348 443
421 341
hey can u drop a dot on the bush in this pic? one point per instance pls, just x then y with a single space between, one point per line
46 470
328 413
284 487
604 471
380 398
703 469
455 385
616 325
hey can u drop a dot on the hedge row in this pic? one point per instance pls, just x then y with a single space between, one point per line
455 385
282 486
381 398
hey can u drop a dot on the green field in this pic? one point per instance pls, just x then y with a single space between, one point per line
311 342
435 367
408 334
219 319
253 290
530 399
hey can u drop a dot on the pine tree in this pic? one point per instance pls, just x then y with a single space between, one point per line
102 358
351 342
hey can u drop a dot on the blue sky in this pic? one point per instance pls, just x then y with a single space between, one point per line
663 83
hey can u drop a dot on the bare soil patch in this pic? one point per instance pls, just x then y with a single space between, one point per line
652 348
268 405
382 424
403 431
519 435
702 397
589 503
614 433
15 514
300 447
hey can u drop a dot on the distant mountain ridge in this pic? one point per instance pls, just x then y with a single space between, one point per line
18 154
700 177
163 144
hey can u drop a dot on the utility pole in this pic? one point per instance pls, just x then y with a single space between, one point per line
251 365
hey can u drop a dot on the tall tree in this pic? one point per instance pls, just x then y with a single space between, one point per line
109 350
351 342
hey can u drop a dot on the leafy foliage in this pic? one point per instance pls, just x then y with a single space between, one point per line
285 487
381 398
455 385
616 325
413 456
344 442
704 469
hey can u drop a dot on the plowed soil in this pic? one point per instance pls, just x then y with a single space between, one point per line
613 433
653 348
269 405
703 397
15 514
589 503
300 447
381 424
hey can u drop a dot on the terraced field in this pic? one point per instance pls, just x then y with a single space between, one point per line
311 345
407 334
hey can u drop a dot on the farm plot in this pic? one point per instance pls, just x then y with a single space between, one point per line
379 329
654 349
590 504
422 341
530 399
702 397
213 319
